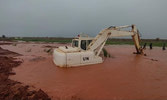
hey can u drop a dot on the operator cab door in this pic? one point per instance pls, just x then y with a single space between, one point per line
85 43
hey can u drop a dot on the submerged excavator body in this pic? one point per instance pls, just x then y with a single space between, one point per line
85 50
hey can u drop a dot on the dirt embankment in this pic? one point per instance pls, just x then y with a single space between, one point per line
13 90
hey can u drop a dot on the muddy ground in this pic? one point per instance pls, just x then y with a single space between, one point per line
14 90
123 76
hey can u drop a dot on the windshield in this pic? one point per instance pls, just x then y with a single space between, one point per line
75 43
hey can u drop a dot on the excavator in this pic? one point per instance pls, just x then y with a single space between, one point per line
86 50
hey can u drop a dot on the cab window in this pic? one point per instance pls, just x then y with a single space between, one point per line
83 44
89 41
75 43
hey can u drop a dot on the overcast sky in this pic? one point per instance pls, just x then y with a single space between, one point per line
67 18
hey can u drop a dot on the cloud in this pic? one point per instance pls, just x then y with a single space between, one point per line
67 18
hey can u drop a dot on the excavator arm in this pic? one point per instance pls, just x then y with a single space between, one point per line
99 41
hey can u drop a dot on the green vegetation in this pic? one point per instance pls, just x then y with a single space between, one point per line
156 42
106 54
59 40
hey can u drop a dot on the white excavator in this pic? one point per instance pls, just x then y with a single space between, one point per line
85 50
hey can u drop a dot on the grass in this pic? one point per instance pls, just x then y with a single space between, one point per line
59 40
155 42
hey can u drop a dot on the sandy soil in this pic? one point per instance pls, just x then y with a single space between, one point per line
124 76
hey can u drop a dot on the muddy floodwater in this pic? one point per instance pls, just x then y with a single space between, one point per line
124 76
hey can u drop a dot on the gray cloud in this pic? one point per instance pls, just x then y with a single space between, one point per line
67 18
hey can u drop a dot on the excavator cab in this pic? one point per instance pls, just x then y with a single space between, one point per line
81 42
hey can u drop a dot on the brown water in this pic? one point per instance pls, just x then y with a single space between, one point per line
124 76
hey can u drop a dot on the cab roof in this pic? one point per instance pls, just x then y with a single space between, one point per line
83 37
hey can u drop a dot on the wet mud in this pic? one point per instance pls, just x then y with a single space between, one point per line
14 90
123 76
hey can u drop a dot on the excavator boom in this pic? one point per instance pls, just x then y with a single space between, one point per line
98 42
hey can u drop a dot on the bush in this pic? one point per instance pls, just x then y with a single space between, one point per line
106 54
